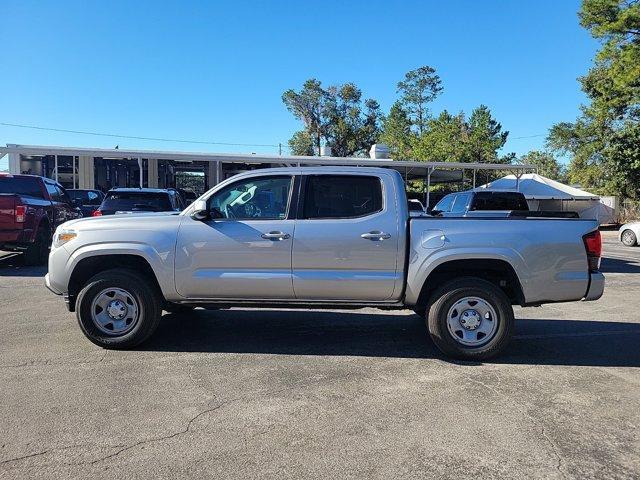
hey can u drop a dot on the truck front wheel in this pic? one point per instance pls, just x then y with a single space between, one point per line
118 309
471 319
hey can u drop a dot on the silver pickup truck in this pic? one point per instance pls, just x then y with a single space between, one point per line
338 237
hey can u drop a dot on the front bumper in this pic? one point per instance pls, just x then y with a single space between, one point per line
596 287
47 283
69 301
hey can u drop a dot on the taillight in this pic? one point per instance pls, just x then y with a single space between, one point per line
96 213
593 246
21 213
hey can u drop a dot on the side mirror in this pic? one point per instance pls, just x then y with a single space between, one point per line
200 210
216 213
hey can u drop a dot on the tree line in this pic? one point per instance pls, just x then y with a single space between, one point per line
602 145
338 117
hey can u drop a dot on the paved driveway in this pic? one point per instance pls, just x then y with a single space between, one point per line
317 394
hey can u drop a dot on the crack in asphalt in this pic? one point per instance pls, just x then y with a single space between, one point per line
190 423
24 457
158 439
55 361
124 448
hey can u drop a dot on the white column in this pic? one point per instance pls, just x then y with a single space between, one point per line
152 172
141 179
214 173
86 174
14 163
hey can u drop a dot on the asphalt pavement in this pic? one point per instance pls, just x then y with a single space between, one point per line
247 393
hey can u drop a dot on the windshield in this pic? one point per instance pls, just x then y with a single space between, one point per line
27 187
87 197
136 201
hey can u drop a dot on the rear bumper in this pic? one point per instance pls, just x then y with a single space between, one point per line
596 287
16 238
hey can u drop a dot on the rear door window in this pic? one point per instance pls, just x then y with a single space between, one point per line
136 202
499 201
460 203
87 197
341 196
445 204
26 187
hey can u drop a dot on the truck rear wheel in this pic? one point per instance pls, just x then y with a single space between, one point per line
38 252
470 318
118 309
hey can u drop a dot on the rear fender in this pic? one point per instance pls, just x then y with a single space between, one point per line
421 266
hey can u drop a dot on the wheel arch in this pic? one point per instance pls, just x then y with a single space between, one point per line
89 266
496 271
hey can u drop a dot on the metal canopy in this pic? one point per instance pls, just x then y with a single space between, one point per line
414 168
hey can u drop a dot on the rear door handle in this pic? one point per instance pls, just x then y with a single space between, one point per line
376 235
275 236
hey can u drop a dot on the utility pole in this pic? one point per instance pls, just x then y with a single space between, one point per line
280 149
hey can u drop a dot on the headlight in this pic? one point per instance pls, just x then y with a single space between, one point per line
63 236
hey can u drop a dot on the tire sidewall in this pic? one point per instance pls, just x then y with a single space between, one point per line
148 312
448 296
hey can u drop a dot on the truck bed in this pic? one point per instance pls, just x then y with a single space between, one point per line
547 254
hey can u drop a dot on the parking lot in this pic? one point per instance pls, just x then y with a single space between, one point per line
316 394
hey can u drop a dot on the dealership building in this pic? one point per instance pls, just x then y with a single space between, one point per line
99 168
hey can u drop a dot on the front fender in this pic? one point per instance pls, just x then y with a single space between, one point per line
161 262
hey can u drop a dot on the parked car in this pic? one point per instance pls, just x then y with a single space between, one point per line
87 200
336 237
490 203
132 200
629 233
475 203
31 208
187 195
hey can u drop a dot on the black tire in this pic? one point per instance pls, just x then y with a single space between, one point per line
421 311
446 297
144 292
177 308
38 252
628 238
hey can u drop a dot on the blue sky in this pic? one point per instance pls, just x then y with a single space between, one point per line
215 71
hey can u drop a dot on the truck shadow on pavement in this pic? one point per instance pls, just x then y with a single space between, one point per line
289 332
12 265
618 265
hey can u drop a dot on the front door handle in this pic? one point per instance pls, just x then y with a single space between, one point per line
376 235
275 236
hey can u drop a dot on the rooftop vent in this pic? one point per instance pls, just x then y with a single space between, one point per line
325 151
379 151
